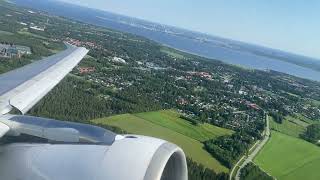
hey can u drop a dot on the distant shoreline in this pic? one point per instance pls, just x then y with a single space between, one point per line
223 50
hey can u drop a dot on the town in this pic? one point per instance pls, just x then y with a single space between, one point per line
10 50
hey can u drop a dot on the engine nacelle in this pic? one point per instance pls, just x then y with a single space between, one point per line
139 157
89 153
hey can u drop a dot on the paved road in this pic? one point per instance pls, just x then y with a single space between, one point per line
253 154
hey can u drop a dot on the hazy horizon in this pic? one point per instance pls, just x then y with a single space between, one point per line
290 26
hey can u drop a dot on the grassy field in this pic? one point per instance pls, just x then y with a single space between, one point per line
313 102
300 120
6 33
172 53
167 125
289 158
27 33
170 119
307 120
290 126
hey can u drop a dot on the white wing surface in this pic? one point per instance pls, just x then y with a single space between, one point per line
24 87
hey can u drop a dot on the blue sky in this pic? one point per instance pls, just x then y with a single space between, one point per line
290 25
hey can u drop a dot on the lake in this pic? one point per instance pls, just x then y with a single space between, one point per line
194 46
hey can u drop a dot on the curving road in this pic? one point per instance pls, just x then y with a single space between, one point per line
250 157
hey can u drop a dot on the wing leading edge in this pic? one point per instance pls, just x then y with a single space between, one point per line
24 87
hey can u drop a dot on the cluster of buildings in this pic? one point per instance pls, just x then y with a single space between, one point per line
204 75
119 60
79 43
37 28
11 50
85 70
182 101
33 26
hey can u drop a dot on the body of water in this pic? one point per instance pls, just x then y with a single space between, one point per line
191 45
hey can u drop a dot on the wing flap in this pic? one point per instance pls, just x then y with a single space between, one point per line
32 90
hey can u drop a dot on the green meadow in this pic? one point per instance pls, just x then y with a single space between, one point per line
168 126
172 52
171 119
290 126
6 33
289 158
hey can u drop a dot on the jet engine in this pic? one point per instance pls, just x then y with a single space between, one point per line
45 149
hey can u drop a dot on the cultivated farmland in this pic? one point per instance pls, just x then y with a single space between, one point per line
288 127
289 158
170 119
167 125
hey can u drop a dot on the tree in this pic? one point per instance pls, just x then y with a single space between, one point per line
312 134
253 172
277 117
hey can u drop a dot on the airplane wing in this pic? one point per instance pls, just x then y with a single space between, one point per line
24 87
3 129
41 148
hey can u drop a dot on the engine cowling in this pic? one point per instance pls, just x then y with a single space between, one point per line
89 153
148 158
